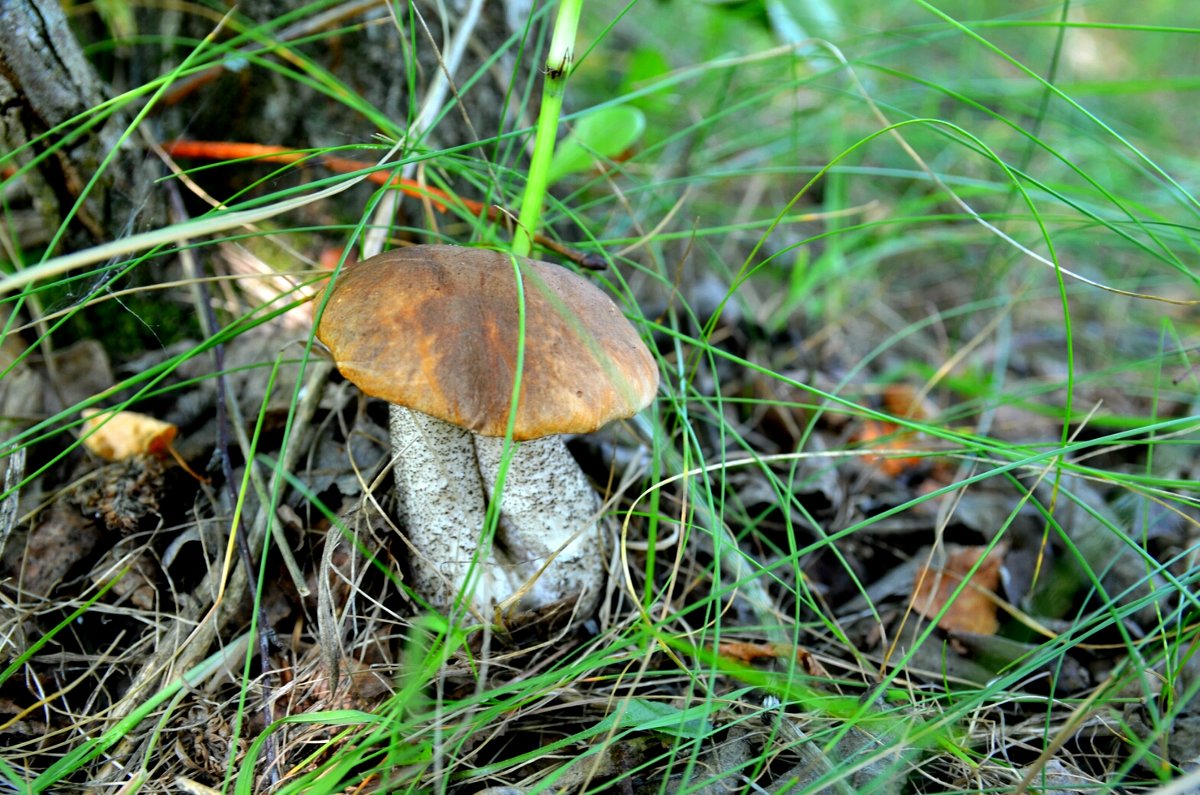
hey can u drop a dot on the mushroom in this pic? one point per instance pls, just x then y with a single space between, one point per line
434 331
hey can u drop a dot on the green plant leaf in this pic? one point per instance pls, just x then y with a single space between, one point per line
601 135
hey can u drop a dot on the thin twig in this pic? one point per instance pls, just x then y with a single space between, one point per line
208 324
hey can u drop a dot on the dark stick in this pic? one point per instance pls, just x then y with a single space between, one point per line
221 451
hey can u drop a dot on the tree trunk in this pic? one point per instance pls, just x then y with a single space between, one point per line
48 96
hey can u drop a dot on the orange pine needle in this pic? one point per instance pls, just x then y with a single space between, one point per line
233 150
440 199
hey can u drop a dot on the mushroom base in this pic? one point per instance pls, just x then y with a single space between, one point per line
548 546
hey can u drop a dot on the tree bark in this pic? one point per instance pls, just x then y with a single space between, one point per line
48 99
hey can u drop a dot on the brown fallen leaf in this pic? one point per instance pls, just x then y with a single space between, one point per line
888 439
77 372
891 445
60 539
975 608
749 651
903 400
115 437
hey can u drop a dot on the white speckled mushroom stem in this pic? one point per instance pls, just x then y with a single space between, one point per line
549 514
443 507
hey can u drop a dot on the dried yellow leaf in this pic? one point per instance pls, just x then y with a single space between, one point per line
115 437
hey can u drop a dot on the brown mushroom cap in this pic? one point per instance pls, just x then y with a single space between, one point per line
435 329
